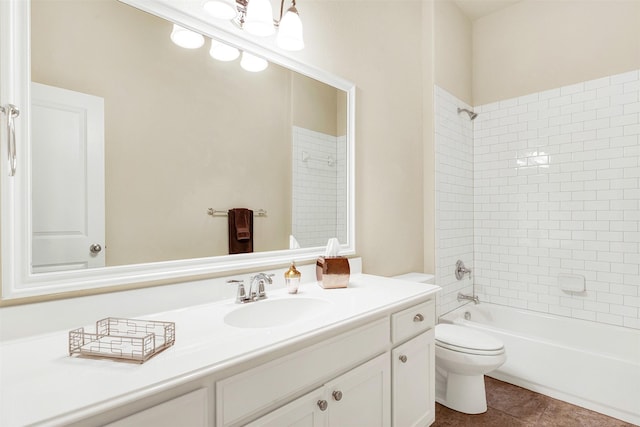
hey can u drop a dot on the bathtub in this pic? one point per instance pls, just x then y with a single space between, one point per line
585 363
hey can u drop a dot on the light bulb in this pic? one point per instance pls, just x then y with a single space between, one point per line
221 9
223 52
290 31
252 63
259 19
186 38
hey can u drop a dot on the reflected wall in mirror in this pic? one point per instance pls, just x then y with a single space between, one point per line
156 134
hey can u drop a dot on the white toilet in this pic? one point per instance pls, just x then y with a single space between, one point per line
463 356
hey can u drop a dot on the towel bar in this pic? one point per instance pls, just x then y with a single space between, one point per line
213 212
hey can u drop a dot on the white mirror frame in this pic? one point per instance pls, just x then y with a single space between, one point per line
17 279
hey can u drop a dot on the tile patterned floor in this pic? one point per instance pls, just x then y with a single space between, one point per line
513 406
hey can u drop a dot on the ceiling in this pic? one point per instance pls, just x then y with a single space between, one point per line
475 9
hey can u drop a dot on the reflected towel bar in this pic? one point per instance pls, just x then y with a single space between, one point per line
214 212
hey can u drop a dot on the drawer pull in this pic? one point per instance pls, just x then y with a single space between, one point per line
337 395
418 318
322 404
403 358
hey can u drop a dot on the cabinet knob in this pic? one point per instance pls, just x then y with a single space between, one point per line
337 395
418 318
403 358
322 404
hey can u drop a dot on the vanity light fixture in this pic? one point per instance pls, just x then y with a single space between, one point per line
221 9
218 50
290 29
256 18
222 51
186 38
259 18
253 63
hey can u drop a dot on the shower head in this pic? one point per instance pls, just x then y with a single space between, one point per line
471 114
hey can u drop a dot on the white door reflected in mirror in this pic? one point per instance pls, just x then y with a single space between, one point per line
67 179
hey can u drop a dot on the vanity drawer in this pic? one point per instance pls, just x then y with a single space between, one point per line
413 320
242 395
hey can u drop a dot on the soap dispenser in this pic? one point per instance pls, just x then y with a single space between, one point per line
292 278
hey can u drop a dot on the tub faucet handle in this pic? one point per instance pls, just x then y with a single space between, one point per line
461 270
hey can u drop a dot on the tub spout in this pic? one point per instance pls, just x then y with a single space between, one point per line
463 297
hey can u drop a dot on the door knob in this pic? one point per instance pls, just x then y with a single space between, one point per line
95 248
322 404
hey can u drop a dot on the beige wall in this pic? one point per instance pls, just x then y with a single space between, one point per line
538 45
452 46
307 114
378 46
428 137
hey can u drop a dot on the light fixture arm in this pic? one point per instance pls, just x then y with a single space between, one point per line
241 6
259 21
292 9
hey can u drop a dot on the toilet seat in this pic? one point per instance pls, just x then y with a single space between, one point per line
467 340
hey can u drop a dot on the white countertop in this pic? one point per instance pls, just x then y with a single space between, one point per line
41 383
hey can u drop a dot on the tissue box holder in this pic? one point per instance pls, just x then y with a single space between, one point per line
333 272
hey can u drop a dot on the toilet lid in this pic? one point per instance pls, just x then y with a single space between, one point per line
454 336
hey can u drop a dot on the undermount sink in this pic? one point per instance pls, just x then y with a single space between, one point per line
276 312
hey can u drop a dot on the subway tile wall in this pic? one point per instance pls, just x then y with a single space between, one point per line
319 187
454 197
557 191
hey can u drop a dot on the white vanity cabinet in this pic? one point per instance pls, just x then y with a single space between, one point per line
368 361
358 398
303 412
396 388
242 397
413 366
189 410
413 381
361 397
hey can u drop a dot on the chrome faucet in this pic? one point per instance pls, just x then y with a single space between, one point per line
463 297
259 279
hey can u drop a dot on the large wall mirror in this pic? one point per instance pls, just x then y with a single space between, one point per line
135 149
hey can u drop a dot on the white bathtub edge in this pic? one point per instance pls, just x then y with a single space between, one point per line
566 397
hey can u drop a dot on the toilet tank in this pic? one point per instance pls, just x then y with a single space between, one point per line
417 277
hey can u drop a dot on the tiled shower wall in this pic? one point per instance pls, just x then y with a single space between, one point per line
557 191
319 187
454 197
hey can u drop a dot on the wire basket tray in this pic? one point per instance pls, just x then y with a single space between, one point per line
127 339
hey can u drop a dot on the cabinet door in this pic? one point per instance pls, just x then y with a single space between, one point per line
303 412
413 381
190 410
362 396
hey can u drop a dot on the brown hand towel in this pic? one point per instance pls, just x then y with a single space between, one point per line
240 230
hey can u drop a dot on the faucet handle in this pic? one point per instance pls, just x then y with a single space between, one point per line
461 270
261 278
262 294
241 295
